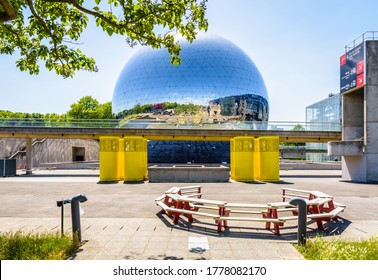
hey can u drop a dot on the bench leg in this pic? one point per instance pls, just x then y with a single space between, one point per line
223 213
187 207
317 210
176 217
319 224
277 228
267 215
219 228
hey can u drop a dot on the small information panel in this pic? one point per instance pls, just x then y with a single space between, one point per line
352 67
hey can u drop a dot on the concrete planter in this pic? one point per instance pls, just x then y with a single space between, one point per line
182 173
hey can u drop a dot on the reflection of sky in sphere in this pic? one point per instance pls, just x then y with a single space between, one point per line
211 68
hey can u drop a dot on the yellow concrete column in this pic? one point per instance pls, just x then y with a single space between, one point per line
232 159
121 159
243 158
135 158
269 150
257 159
109 158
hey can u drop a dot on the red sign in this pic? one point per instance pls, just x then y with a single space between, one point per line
360 67
360 80
343 59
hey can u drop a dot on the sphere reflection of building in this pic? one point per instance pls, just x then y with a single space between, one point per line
215 78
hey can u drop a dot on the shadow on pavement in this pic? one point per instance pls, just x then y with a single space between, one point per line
288 233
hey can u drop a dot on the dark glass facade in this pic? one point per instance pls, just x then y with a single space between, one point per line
215 78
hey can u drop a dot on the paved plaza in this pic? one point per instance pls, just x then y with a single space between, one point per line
121 220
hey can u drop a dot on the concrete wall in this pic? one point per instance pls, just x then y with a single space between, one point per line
49 150
353 115
371 109
9 146
60 150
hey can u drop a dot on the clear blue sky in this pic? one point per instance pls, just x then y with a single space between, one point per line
296 44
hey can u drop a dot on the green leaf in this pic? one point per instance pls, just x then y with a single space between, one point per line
39 33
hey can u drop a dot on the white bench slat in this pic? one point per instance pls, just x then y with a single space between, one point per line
283 210
162 205
295 190
173 190
270 220
173 196
192 194
190 187
319 201
247 205
170 190
195 205
289 192
244 211
288 218
339 204
160 197
289 196
184 211
331 214
321 194
200 200
280 204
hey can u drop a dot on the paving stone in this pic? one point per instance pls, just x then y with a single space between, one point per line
121 221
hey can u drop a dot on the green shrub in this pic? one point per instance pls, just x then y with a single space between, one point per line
19 246
321 249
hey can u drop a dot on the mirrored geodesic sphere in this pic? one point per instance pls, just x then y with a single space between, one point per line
215 79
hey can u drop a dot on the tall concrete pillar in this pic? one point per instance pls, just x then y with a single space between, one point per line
29 156
371 112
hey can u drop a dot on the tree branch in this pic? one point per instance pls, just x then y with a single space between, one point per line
9 13
95 14
47 29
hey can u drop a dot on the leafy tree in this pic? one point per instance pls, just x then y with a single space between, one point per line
169 105
4 114
105 110
187 109
297 127
86 108
48 30
89 108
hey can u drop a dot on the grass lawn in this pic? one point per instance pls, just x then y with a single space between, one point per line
20 246
321 249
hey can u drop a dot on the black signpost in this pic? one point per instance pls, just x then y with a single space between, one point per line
352 68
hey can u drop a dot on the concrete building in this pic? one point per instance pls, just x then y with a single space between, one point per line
359 87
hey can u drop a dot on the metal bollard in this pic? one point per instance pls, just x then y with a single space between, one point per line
302 219
75 214
60 203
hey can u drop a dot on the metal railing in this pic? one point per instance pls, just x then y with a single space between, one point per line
368 35
184 123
